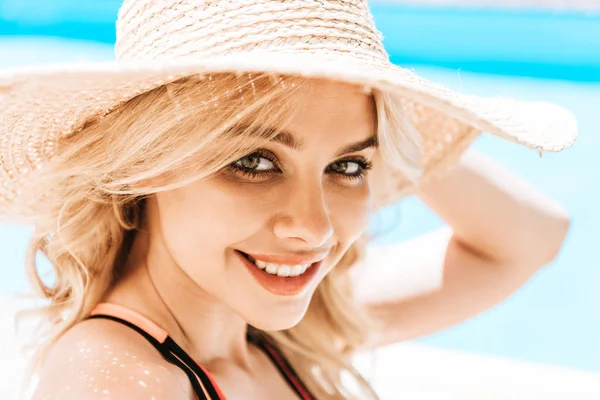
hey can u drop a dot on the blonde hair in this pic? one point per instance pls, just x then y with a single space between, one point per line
87 206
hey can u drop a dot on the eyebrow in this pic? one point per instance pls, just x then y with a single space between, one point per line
287 139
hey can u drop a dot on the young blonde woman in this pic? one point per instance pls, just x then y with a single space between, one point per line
203 199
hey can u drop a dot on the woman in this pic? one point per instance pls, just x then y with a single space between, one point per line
203 199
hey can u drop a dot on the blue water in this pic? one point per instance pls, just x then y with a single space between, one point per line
527 42
554 319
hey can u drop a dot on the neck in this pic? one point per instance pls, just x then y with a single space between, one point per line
153 285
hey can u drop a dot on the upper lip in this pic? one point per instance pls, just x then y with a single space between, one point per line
288 259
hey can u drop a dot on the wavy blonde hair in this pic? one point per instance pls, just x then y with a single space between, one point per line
89 199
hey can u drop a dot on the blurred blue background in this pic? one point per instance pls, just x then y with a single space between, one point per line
527 53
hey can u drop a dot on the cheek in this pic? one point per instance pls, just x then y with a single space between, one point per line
203 220
350 211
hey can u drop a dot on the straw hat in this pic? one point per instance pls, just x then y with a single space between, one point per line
159 41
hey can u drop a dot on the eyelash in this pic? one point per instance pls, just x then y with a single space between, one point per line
363 164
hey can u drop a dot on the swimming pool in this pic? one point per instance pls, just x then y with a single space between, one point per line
533 55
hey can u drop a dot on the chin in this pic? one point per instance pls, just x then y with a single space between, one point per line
277 318
276 325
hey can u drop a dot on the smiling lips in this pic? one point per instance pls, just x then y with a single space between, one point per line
283 266
284 276
282 269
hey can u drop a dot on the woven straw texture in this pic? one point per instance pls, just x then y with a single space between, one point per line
159 41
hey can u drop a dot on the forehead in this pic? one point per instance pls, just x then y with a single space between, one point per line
333 108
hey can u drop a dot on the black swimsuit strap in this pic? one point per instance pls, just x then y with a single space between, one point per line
174 354
174 357
283 366
188 361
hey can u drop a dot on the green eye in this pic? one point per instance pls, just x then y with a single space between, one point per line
346 167
354 168
260 164
255 162
250 162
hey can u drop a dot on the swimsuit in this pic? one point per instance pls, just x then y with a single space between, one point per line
203 384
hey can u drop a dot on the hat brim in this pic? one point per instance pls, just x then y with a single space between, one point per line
55 100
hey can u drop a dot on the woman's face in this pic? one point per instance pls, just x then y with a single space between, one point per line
292 207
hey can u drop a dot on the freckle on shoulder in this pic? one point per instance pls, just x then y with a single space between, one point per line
97 358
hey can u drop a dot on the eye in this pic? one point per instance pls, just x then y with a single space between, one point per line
346 167
255 162
355 168
259 163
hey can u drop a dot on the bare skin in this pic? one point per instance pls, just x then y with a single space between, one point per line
481 264
182 273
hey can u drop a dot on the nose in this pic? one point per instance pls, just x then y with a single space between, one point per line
305 217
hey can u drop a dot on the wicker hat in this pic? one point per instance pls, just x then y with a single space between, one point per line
159 41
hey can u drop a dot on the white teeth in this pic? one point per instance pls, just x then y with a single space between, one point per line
280 269
271 269
297 270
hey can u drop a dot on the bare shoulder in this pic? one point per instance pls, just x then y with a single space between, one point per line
100 359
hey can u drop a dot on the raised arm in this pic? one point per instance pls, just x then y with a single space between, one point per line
500 232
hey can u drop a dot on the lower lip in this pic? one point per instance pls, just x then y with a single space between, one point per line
281 285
